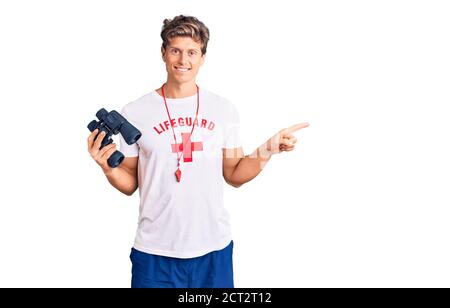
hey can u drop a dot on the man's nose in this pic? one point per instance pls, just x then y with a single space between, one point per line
183 57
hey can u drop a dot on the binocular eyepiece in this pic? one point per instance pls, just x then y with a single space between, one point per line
113 123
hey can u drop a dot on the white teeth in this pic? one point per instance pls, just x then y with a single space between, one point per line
182 69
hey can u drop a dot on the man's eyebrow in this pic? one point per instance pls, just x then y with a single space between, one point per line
195 49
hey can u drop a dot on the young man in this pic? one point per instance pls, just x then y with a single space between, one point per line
190 142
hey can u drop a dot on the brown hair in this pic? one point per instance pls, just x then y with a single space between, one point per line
185 26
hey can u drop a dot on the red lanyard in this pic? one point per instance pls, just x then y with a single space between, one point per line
178 172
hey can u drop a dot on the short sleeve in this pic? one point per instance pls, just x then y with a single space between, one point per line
126 149
231 128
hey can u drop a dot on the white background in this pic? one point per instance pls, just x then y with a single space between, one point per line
363 201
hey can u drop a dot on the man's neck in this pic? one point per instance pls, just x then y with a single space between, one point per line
179 90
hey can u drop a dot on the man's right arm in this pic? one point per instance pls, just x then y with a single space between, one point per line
123 177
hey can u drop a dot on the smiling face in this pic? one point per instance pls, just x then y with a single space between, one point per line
183 58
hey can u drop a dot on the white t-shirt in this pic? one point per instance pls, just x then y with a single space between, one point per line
183 219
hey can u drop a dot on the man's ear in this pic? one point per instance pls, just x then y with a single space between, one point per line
163 54
202 59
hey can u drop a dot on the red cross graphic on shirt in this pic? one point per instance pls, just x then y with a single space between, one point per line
187 147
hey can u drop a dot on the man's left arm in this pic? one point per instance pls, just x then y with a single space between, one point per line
239 169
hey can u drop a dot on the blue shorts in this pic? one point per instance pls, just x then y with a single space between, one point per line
213 270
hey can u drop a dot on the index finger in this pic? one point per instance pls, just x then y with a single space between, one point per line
296 127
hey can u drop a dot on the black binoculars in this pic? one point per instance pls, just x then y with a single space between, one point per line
113 123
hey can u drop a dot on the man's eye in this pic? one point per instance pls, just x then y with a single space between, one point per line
192 53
